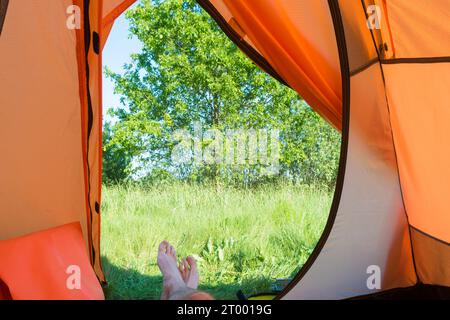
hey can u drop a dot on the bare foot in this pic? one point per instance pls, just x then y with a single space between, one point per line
167 263
189 272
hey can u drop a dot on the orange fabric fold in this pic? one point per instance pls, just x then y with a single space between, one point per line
47 266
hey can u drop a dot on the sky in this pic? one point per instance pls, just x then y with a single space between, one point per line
116 53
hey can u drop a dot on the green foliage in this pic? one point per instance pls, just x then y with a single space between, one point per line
189 71
116 160
242 239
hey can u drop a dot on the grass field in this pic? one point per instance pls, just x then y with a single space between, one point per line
243 239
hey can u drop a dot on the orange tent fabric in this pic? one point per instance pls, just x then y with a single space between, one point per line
39 266
378 70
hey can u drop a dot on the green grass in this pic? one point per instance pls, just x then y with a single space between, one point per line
243 239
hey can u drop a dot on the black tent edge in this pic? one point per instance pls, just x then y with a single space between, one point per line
3 10
254 55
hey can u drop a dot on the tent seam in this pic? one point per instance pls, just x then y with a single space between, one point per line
429 236
394 146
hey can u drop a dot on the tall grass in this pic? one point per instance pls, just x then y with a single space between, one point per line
243 239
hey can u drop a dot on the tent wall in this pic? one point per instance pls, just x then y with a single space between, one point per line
42 173
432 258
370 226
418 28
414 75
421 117
51 120
416 69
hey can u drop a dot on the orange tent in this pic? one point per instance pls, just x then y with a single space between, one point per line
378 70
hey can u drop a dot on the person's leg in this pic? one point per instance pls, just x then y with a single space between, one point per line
189 272
167 263
179 283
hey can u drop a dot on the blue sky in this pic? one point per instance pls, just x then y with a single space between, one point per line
116 53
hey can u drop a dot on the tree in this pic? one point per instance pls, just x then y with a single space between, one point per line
189 74
116 159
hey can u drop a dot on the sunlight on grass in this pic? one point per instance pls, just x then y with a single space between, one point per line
243 239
